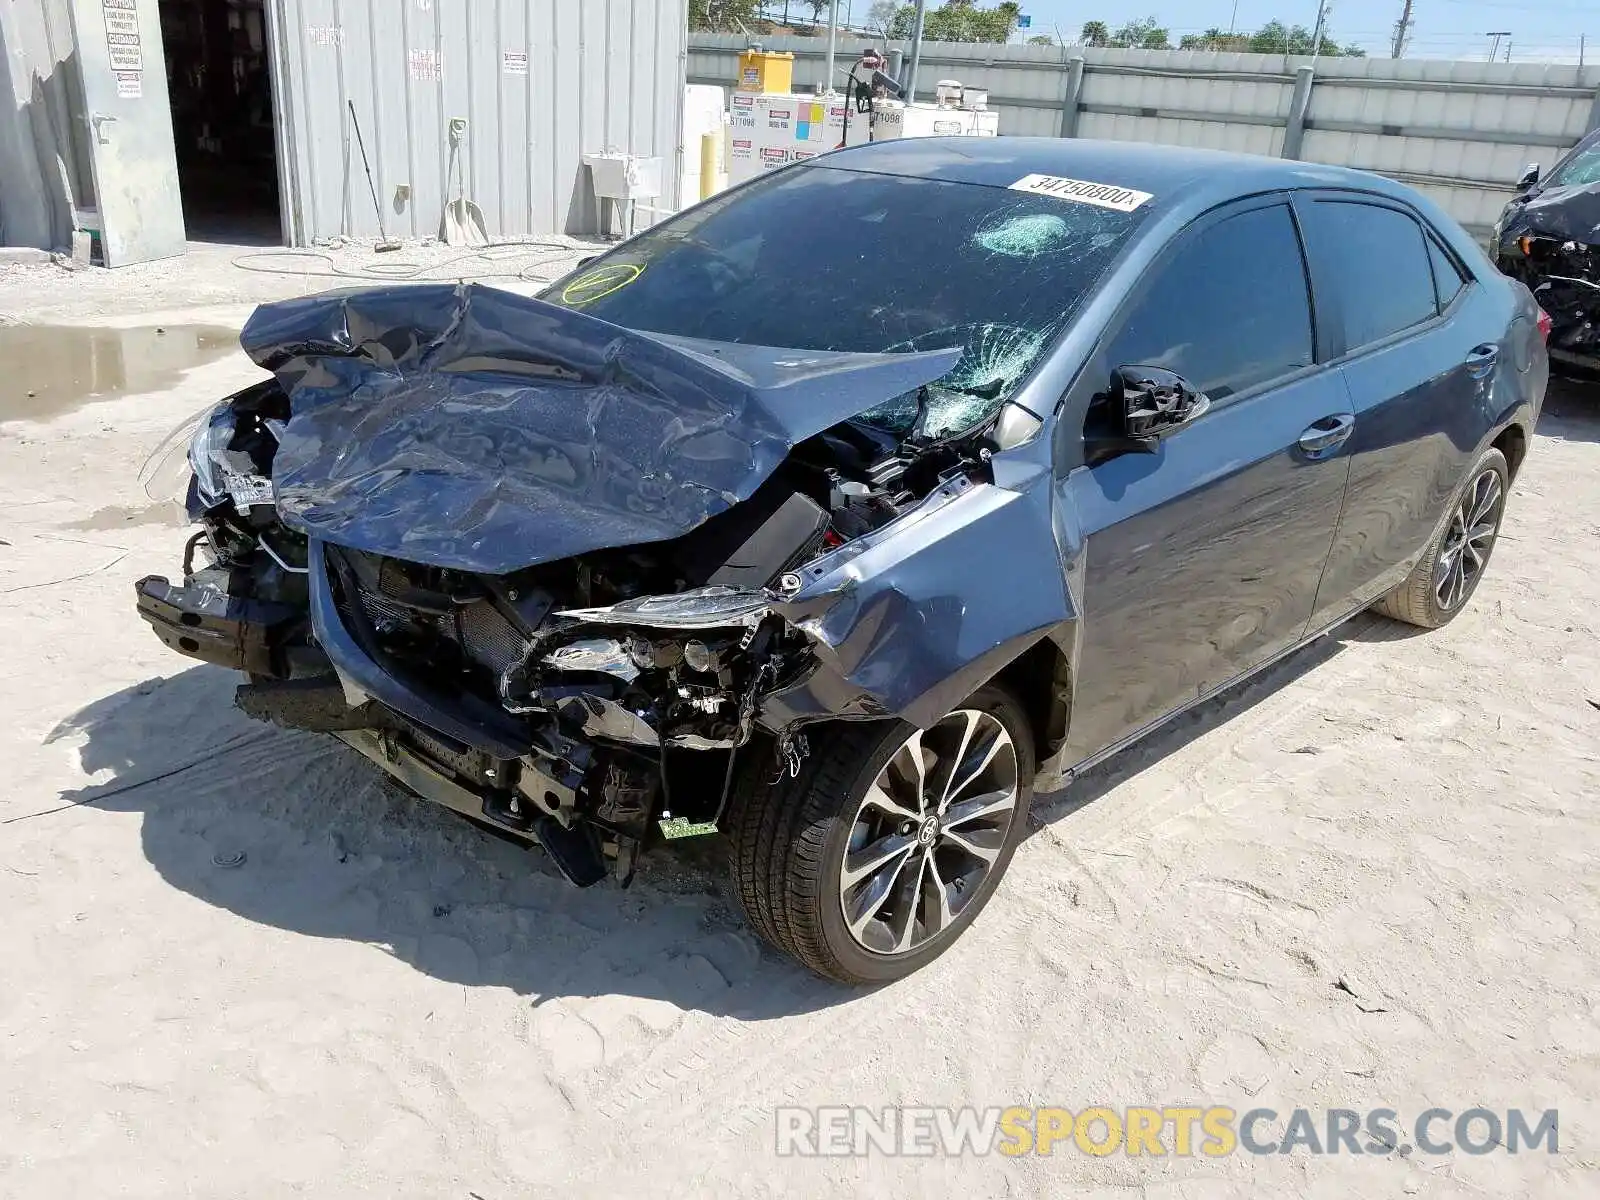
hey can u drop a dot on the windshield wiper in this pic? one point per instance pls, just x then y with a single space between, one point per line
983 391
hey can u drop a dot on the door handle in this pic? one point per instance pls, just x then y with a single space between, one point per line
98 120
1482 360
1327 434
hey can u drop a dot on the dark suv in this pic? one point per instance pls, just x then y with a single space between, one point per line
1548 237
840 508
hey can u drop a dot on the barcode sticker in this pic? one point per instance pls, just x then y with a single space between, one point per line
1104 195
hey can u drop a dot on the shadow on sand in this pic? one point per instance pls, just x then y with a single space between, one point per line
333 849
1572 410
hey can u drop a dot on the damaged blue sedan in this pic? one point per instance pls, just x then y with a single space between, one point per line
844 509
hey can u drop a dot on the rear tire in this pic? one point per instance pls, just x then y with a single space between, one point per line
1448 573
866 867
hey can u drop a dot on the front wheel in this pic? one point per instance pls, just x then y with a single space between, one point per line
1448 573
889 842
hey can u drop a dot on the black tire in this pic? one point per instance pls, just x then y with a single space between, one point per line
789 839
1418 601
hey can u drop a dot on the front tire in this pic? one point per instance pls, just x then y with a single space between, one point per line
873 860
1443 581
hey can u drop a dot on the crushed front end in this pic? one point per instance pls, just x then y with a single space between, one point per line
1552 245
571 584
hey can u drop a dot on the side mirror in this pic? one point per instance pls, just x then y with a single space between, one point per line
584 262
1529 176
1142 406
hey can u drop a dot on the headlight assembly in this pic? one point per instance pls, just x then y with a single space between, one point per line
205 451
188 451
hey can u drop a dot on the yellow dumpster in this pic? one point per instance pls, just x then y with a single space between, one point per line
765 71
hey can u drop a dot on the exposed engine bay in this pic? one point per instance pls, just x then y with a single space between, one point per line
394 558
1552 244
1564 277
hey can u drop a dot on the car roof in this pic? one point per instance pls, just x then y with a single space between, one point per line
1179 178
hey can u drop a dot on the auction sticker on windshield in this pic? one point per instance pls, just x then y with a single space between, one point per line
1105 195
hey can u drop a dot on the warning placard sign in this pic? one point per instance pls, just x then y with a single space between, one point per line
122 35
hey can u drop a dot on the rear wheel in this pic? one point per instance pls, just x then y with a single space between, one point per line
871 862
1447 575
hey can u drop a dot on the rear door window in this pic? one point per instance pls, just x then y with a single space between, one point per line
1375 263
1230 310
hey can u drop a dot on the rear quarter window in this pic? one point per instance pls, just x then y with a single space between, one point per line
1447 277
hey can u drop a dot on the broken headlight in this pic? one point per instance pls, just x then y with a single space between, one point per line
702 608
190 451
206 447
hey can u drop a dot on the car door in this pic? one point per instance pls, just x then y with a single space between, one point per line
1201 561
122 74
1417 341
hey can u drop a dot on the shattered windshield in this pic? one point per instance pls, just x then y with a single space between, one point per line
819 258
1581 169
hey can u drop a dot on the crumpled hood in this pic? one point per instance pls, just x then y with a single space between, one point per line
1567 213
468 427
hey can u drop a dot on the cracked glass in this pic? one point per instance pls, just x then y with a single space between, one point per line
823 258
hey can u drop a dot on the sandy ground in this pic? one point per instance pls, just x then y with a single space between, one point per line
215 273
1370 878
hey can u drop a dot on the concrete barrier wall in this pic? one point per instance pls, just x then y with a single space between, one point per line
1460 131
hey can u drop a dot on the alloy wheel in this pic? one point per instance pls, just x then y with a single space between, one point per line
928 831
1473 528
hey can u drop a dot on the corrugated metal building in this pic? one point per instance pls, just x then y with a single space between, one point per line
263 108
41 162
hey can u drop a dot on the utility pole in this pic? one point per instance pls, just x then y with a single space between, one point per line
916 50
1402 30
1322 28
833 41
1494 46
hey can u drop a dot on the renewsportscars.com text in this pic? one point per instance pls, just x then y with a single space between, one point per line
1157 1131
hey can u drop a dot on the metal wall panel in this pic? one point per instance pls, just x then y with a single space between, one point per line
1460 131
539 82
44 164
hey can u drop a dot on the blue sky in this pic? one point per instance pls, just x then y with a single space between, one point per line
1543 29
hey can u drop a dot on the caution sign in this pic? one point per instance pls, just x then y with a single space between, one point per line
122 37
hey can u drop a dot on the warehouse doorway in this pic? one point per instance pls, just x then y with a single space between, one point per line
219 84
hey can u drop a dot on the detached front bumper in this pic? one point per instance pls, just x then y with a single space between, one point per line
406 735
205 624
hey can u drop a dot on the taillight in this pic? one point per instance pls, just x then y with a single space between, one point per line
1544 325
